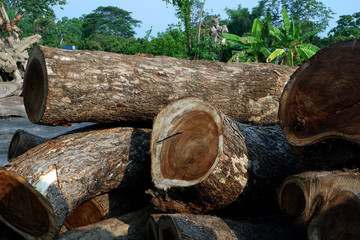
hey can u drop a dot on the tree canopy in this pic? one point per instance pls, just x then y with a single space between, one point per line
109 21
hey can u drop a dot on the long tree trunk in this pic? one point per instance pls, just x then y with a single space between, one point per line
42 186
202 160
327 203
205 227
130 226
321 100
87 86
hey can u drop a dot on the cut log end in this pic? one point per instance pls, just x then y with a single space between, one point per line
87 213
292 200
35 86
23 209
342 221
321 100
189 144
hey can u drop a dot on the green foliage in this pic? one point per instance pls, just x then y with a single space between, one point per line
252 48
240 20
290 46
183 8
109 21
313 15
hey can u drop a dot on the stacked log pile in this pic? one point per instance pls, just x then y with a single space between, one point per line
185 149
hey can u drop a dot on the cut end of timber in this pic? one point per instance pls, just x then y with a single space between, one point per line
189 134
87 213
322 98
23 209
14 143
292 199
341 221
35 86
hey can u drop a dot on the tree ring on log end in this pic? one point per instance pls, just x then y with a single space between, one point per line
322 98
343 219
190 138
292 199
14 145
35 86
24 209
87 213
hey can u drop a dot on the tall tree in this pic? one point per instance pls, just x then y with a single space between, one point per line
183 11
109 21
239 20
347 26
311 13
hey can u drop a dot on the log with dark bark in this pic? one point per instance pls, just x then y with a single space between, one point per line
21 142
42 186
109 205
63 86
130 226
201 160
207 227
152 226
326 202
321 100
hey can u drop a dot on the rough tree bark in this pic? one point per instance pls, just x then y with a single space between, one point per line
126 227
326 202
42 186
202 160
206 227
321 100
63 86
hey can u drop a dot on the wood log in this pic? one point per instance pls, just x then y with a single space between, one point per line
152 226
109 205
326 202
88 86
21 142
201 160
39 188
127 227
321 100
206 227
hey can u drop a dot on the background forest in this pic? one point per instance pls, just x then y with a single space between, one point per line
281 31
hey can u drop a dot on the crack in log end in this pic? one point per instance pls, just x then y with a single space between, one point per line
160 141
21 206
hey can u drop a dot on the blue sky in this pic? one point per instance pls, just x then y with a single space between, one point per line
156 14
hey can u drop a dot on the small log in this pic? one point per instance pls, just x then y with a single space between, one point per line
152 226
321 100
21 142
326 202
201 160
89 86
205 227
109 205
128 227
42 186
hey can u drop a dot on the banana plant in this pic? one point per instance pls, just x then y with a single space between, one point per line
252 48
289 46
